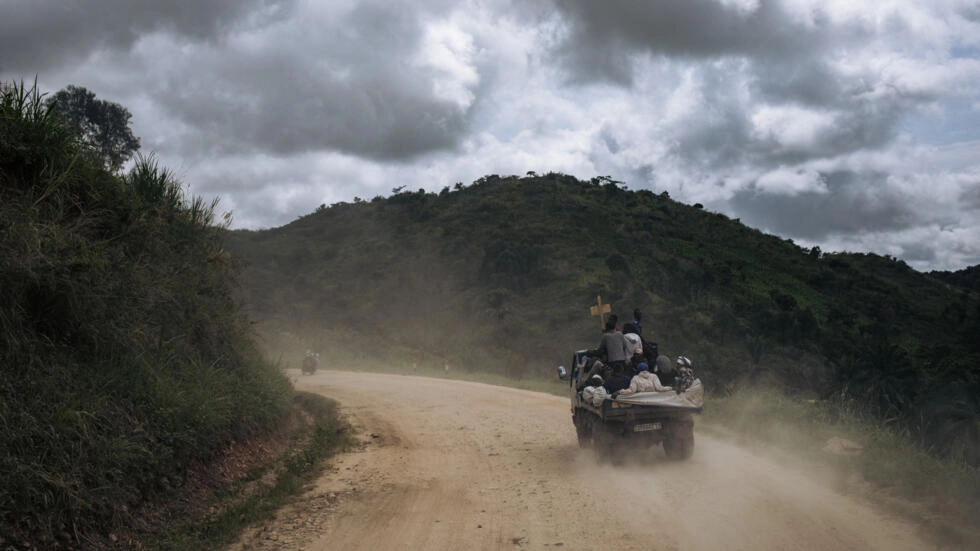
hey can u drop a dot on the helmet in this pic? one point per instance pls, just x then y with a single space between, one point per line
683 361
643 367
596 378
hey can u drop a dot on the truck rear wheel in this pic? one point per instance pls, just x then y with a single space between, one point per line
583 429
608 444
679 448
601 444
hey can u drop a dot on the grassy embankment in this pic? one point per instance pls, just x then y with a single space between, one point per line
264 490
124 362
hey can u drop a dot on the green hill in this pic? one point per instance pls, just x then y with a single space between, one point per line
499 275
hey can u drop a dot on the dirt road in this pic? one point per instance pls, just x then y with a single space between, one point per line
449 465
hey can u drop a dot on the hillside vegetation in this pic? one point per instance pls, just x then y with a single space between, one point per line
123 358
968 278
498 276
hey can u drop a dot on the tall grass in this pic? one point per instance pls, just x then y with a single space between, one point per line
123 358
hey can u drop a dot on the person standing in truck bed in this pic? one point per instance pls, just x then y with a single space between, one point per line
634 345
613 348
638 321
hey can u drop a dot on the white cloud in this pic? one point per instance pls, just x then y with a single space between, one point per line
449 51
784 181
791 128
742 7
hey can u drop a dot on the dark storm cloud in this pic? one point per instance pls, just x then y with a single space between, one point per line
346 85
970 197
807 81
364 118
604 31
919 252
591 61
720 135
970 11
852 203
37 35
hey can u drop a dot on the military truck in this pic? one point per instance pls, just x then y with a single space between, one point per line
642 420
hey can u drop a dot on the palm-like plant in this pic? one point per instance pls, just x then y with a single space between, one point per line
883 378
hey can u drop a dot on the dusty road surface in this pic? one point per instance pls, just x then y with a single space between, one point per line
449 465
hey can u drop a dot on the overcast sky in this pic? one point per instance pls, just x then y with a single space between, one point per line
844 124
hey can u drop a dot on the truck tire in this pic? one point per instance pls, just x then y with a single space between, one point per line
617 453
608 444
583 429
687 448
601 443
679 448
679 438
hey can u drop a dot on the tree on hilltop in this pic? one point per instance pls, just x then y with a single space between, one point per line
103 125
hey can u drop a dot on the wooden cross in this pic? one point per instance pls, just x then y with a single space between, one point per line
598 310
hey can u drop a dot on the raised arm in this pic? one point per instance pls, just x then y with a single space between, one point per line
602 351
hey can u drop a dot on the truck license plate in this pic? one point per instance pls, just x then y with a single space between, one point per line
647 426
